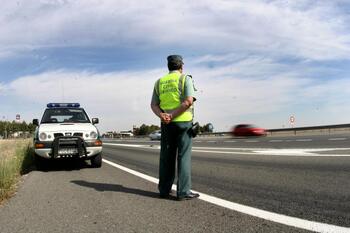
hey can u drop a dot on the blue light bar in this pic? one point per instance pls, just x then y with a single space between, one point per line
63 105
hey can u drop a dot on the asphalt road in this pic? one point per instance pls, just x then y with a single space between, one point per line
310 182
304 177
78 198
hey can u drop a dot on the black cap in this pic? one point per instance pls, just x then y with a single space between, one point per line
175 59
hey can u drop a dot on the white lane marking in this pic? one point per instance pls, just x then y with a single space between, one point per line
126 140
211 141
251 141
276 141
278 152
286 152
197 141
194 147
301 152
125 145
253 151
303 140
224 152
229 141
263 214
337 139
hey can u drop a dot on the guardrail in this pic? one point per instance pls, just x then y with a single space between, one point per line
314 130
323 129
309 130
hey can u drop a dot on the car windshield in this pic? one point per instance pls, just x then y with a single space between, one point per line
65 115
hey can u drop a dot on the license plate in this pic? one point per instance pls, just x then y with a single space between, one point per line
68 151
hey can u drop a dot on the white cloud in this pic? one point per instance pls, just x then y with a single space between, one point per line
305 29
227 95
2 88
119 99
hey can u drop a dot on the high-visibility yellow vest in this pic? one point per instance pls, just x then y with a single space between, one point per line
170 90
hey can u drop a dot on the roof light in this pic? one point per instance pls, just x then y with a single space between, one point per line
63 105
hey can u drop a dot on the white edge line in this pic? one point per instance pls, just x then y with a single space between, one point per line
263 214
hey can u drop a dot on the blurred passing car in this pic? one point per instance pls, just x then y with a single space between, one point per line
248 130
155 135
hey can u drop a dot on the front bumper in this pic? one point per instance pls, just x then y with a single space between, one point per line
68 147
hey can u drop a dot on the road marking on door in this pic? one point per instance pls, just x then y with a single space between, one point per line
263 214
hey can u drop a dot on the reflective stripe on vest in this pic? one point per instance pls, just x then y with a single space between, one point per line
170 90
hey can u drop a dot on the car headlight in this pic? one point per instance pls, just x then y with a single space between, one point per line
42 136
93 134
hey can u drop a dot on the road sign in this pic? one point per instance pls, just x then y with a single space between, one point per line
210 127
292 119
18 117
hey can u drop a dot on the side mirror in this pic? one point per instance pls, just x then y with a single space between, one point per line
35 122
95 121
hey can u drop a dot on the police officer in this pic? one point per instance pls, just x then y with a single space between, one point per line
172 102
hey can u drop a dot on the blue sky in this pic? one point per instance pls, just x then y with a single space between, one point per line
253 61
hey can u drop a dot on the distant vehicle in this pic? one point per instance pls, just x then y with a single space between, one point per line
248 130
155 135
65 131
126 133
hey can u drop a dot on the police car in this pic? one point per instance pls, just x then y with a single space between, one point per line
65 131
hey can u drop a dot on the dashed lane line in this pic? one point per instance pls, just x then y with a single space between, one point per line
263 214
337 139
276 141
303 140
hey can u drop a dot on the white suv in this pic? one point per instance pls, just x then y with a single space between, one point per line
65 131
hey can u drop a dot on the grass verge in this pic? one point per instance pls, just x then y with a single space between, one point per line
16 159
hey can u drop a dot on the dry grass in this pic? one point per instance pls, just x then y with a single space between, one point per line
15 159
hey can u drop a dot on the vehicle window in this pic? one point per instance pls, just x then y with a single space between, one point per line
65 115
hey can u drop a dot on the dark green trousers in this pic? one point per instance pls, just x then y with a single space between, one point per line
176 145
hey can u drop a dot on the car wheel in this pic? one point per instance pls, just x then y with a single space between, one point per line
96 161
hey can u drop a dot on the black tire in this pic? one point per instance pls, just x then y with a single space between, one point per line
40 163
96 161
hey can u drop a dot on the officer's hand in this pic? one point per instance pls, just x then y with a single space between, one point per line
165 117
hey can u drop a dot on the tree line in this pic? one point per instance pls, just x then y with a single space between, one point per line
7 127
